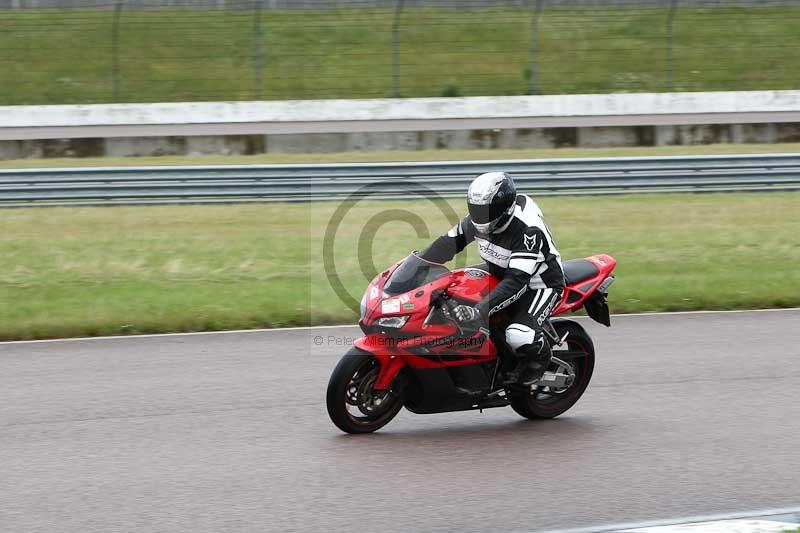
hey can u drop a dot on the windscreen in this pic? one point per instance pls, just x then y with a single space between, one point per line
413 272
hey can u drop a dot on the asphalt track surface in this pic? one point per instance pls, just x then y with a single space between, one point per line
688 414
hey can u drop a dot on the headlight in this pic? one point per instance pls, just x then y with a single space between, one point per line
393 321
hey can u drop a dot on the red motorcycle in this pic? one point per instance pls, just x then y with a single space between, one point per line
414 354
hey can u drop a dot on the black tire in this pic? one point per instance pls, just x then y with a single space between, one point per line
350 380
541 404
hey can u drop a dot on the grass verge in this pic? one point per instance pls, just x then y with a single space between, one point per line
174 54
101 271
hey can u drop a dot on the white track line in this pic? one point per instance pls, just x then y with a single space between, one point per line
675 521
741 525
301 328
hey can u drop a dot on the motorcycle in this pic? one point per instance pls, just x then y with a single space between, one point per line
414 354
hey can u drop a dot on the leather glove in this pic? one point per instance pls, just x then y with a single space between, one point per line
466 313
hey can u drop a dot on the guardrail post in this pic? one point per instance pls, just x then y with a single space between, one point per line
670 84
398 10
115 63
257 60
537 9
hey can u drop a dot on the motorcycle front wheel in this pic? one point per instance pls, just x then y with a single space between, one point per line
353 404
543 402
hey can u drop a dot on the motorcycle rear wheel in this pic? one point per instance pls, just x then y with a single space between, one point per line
543 403
353 405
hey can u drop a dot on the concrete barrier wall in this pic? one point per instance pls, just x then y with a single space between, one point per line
400 124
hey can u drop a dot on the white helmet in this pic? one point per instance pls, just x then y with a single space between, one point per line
491 199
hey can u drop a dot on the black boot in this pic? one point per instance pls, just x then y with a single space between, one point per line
532 364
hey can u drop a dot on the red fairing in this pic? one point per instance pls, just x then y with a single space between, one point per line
576 294
472 284
439 343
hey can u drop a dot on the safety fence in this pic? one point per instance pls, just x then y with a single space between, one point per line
322 182
99 51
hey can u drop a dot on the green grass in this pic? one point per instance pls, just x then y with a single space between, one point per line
67 56
426 155
95 271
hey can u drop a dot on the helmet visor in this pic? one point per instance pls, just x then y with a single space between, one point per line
485 217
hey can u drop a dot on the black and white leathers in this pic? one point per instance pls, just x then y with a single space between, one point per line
521 253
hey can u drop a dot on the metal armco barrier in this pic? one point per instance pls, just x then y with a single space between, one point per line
303 183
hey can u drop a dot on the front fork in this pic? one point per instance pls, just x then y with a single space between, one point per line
390 363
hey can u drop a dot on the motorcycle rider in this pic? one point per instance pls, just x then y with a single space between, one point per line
518 248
